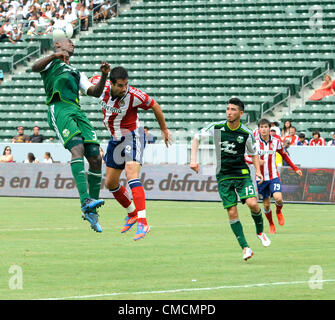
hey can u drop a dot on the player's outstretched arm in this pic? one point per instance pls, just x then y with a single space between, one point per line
194 165
162 124
97 90
40 64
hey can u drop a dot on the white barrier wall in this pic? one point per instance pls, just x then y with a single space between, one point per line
308 157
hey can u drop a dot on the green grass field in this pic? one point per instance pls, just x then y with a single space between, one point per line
191 253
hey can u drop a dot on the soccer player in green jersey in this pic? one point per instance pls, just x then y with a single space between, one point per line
62 83
232 139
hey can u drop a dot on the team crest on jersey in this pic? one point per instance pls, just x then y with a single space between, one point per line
121 103
240 139
66 133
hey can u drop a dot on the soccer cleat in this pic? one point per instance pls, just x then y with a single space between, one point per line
280 218
272 229
130 221
142 230
92 218
247 253
91 204
264 239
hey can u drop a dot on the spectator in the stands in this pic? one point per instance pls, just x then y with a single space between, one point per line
285 131
331 143
31 158
325 89
317 139
5 30
33 30
275 132
70 16
11 13
20 137
149 137
50 27
83 14
286 145
302 140
292 137
16 35
36 137
48 158
7 155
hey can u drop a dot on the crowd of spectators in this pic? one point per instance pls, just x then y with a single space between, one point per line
34 17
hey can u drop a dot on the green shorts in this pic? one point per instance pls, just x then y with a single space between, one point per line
68 120
230 188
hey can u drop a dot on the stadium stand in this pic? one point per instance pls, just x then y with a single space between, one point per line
191 56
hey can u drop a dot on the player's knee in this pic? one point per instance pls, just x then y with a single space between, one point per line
252 204
77 151
278 197
132 170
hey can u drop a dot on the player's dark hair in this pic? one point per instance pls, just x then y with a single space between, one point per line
118 73
302 135
293 127
237 102
264 121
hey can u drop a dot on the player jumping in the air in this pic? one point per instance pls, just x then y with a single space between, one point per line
267 146
120 103
232 139
62 83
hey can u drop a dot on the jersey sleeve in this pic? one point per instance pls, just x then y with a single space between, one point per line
250 145
205 132
141 99
84 83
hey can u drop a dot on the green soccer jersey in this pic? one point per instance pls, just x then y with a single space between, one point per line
64 80
230 147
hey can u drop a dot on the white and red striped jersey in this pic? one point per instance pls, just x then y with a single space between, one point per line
120 114
267 152
320 142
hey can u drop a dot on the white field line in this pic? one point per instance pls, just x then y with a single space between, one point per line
109 228
287 283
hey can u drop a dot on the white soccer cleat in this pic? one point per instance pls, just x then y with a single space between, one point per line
247 253
264 239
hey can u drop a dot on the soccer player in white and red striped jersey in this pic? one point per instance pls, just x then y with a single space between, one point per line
267 145
119 104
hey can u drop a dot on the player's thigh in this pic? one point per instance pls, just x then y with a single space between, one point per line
227 193
134 144
264 189
245 188
60 119
132 170
112 177
275 187
87 131
114 157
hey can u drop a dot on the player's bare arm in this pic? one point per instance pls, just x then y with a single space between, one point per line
162 124
256 163
40 64
97 90
194 165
